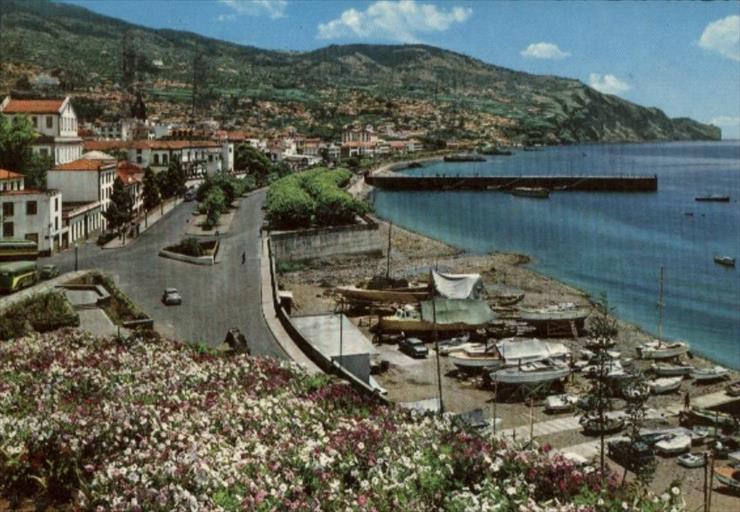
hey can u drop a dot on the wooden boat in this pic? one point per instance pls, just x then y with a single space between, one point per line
537 372
727 261
675 445
390 296
535 192
560 403
691 460
477 359
662 349
728 476
665 385
708 417
671 370
715 198
733 389
707 374
592 425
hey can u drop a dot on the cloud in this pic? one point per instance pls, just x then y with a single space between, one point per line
273 8
730 121
396 21
723 37
544 51
608 84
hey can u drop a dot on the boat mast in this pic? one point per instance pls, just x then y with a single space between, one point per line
661 304
436 344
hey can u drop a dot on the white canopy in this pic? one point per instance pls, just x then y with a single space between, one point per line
514 351
458 286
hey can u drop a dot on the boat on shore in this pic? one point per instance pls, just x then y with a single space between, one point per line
477 358
733 389
671 370
665 385
592 425
560 403
675 445
662 349
446 316
727 261
698 434
728 476
535 192
536 372
390 296
708 374
464 158
696 415
691 460
714 198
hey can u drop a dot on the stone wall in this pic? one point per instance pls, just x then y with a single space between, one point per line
306 244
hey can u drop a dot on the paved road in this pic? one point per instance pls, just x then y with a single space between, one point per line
214 298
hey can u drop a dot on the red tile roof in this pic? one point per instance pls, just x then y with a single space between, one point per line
9 175
85 165
128 179
33 106
107 145
104 145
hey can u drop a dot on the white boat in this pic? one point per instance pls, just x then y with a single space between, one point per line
536 372
613 369
734 459
560 403
516 351
729 477
698 434
447 349
665 385
691 460
679 443
477 358
727 261
662 349
671 370
713 373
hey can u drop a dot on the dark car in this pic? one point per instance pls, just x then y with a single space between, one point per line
171 297
413 347
630 455
49 271
189 195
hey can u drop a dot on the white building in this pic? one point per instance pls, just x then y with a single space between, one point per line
56 123
84 182
30 214
117 130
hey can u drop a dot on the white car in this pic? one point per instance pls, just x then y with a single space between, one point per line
171 297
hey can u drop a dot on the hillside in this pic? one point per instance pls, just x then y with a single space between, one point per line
409 86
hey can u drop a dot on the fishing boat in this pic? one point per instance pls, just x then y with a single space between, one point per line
536 372
517 351
560 403
708 374
715 198
474 359
698 434
675 445
727 261
447 316
691 460
454 344
662 349
665 385
558 320
728 476
733 389
535 192
408 295
708 417
592 425
671 370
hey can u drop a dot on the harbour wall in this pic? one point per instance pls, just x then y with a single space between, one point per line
505 183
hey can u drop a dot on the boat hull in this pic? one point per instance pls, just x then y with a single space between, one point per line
518 377
464 362
390 324
353 294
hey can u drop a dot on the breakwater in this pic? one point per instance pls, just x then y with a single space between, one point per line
555 183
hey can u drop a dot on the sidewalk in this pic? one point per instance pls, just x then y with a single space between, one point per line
145 222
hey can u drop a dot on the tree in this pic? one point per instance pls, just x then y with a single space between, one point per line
36 171
16 137
172 181
151 189
636 392
253 161
120 210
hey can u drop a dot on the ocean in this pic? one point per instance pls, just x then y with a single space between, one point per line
613 243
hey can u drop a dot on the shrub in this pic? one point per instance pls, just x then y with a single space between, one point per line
188 247
41 313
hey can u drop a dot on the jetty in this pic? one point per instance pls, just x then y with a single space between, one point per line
508 183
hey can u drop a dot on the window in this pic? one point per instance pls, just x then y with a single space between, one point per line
7 209
8 230
56 203
156 159
164 158
56 223
49 122
35 121
210 158
31 208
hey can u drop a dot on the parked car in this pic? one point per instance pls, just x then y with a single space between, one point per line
49 271
189 195
413 347
630 456
171 297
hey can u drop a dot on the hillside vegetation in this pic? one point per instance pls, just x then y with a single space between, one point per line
413 86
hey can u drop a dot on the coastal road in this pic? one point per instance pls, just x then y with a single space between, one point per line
215 298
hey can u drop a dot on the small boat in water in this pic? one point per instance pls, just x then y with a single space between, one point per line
671 370
707 374
535 192
560 403
662 349
715 198
728 476
679 443
727 261
691 460
536 372
665 385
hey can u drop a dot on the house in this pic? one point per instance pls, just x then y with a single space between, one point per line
353 134
30 214
122 129
84 182
55 122
132 177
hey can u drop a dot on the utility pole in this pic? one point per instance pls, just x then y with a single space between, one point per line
661 304
388 259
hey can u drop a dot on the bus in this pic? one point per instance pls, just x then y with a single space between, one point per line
15 275
18 250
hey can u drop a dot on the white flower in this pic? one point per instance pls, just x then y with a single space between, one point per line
675 491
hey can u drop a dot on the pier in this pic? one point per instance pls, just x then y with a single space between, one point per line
506 183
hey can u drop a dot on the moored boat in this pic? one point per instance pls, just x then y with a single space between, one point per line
716 198
535 192
677 444
665 385
727 261
708 374
536 372
662 349
671 370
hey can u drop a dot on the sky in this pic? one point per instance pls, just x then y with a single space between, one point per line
682 57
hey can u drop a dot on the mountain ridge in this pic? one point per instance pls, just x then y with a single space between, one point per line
413 86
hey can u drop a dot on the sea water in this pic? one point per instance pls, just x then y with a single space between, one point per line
613 243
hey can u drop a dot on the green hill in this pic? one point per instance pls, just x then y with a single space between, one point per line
412 86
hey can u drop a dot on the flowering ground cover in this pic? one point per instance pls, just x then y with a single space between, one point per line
148 424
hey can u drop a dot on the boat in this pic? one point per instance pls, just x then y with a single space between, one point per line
464 158
671 370
733 389
665 385
728 476
560 320
560 403
452 317
727 261
600 344
698 434
502 295
734 459
453 344
592 424
535 192
662 349
516 351
715 198
390 296
708 417
707 374
613 368
677 444
536 372
477 359
691 460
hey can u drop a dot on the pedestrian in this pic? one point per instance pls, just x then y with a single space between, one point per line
244 257
686 401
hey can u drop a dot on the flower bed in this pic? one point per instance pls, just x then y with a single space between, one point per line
147 424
